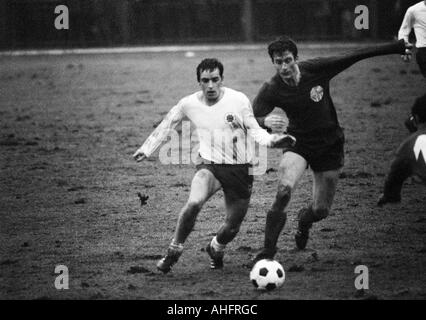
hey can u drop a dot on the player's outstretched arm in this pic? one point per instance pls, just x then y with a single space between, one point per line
400 170
404 33
170 121
336 64
406 26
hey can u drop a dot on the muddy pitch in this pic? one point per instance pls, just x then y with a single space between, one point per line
72 195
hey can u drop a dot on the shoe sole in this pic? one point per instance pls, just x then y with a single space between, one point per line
165 270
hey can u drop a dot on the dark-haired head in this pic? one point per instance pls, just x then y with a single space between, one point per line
419 109
281 45
209 64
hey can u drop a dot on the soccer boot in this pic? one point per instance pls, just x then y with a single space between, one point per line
302 235
265 253
216 257
388 199
165 264
306 218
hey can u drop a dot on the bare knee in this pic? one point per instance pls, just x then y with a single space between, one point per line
284 191
193 207
282 197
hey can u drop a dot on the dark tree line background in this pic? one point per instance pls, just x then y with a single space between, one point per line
30 23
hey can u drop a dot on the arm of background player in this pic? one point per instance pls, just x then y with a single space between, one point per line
400 170
262 105
171 120
336 64
406 26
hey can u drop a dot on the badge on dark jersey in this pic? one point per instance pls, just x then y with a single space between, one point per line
317 93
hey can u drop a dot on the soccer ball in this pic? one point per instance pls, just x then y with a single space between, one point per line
267 274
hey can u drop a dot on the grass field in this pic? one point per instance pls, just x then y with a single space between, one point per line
68 187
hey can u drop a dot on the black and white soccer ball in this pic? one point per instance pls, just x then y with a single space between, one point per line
267 275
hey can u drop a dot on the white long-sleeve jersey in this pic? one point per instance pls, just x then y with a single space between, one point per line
224 129
415 17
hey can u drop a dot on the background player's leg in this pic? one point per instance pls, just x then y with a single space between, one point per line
324 189
290 171
400 170
203 186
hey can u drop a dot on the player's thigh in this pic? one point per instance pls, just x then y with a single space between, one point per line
203 186
236 210
291 168
324 188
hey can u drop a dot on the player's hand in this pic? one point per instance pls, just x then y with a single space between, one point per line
139 156
283 141
276 122
406 57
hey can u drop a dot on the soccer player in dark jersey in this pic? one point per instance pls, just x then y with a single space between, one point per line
410 158
302 90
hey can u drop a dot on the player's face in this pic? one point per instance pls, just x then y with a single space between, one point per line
285 64
211 83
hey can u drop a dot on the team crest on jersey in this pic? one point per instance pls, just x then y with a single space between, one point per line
317 93
229 118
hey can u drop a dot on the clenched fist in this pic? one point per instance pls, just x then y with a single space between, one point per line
276 122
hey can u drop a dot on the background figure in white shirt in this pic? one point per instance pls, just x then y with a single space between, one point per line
415 18
223 164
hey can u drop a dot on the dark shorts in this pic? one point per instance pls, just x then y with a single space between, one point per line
421 60
323 150
235 178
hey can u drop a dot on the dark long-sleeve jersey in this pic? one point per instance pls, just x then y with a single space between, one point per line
308 105
410 160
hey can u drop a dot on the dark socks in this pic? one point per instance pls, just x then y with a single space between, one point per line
275 222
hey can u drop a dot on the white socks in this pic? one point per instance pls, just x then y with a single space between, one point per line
217 246
214 244
176 246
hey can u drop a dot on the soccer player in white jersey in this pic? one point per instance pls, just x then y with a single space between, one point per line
223 163
415 18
